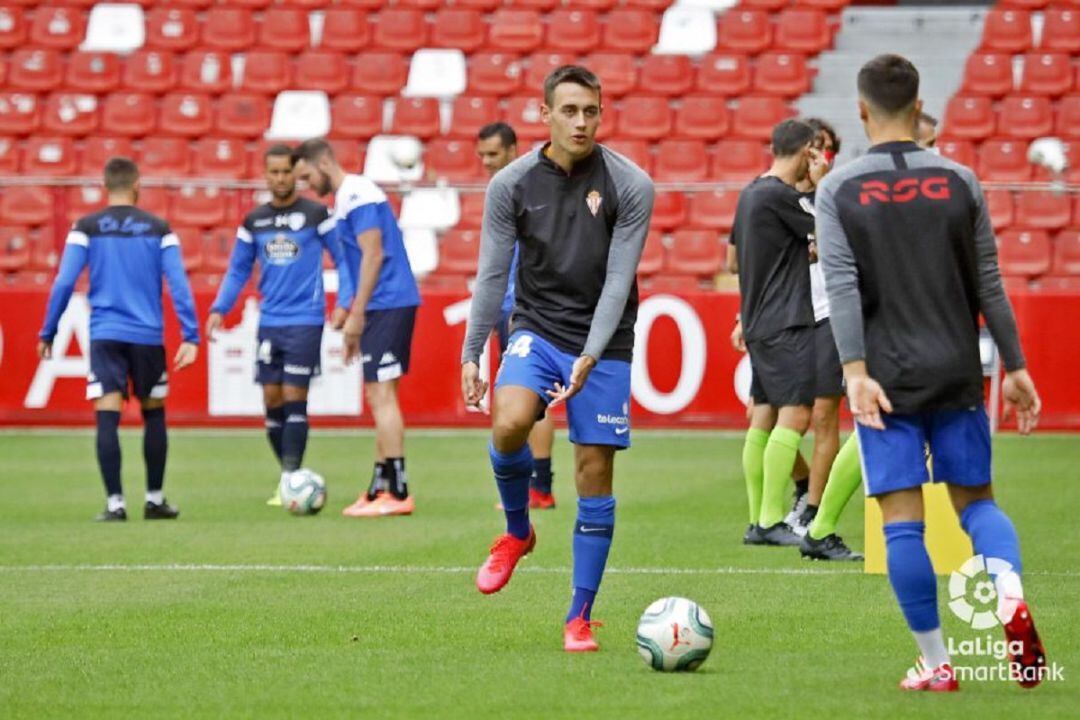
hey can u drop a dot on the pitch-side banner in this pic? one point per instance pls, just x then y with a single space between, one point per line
685 372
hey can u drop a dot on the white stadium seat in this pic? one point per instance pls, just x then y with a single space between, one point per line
299 114
686 31
116 28
436 73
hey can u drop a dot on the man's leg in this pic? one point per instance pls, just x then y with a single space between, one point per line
762 420
273 399
825 423
844 479
107 411
388 493
541 440
155 454
595 525
779 459
294 434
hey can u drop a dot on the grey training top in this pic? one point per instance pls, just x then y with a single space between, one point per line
580 237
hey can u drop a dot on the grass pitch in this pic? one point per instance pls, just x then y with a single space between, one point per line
240 610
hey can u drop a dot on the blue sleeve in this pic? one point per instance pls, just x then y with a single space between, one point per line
346 283
71 265
172 264
363 218
240 265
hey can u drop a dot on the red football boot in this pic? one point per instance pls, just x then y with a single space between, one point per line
940 679
541 500
500 564
1022 629
578 637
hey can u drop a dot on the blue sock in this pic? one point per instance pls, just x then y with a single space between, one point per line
592 540
542 475
512 473
275 421
108 450
155 447
912 574
294 435
992 533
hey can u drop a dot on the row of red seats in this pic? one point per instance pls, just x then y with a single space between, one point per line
1005 159
1043 74
1009 30
971 117
269 72
1031 253
1032 209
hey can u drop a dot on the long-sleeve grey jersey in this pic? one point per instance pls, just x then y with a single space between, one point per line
910 261
580 237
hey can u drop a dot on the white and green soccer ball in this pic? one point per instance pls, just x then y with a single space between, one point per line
303 492
674 634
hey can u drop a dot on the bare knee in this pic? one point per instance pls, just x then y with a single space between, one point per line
902 505
294 393
825 417
795 417
962 495
513 416
594 469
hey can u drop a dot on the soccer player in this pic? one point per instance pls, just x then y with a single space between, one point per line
772 231
910 263
128 251
496 144
926 131
578 214
381 320
287 236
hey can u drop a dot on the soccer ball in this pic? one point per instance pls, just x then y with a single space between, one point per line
405 152
674 634
303 492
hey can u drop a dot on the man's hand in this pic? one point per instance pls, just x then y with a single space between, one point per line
813 252
867 400
44 349
819 166
578 375
186 355
353 328
1020 396
213 322
473 388
737 340
338 318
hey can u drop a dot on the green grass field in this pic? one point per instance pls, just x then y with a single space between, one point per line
240 610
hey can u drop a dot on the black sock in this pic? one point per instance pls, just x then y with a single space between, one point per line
294 435
275 421
378 480
542 476
802 487
808 515
155 447
395 477
108 450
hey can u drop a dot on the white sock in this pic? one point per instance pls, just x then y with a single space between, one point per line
932 645
115 502
155 496
1010 591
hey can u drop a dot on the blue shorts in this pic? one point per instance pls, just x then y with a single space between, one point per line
386 343
115 364
502 330
895 458
289 355
599 414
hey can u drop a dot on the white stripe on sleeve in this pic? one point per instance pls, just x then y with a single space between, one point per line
170 240
77 237
243 235
327 225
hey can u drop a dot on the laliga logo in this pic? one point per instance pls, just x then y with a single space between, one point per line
973 595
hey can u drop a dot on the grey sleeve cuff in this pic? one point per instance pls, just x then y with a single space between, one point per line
498 235
841 277
993 302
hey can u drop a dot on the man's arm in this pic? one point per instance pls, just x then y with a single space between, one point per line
172 265
328 236
74 259
241 263
841 278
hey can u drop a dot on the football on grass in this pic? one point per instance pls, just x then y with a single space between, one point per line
303 492
674 634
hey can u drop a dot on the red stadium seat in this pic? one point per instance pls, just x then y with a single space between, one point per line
96 151
1067 253
380 73
228 28
472 113
129 114
667 74
652 5
576 30
495 74
746 31
523 114
1025 4
416 116
969 118
14 249
217 246
1042 209
704 117
723 74
285 29
781 74
472 209
767 5
1025 117
49 157
35 70
598 5
203 4
150 71
201 206
518 31
26 205
453 160
988 74
12 28
739 160
803 30
460 28
154 200
9 156
681 161
459 252
348 152
1068 117
639 151
208 72
191 247
44 251
617 72
754 117
220 158
831 6
356 116
1024 252
631 30
1047 74
541 65
345 28
1061 30
171 28
645 118
1004 161
1007 31
541 5
93 72
999 204
669 210
186 114
242 115
165 157
714 210
322 70
428 5
653 255
696 252
266 72
57 27
399 28
70 114
20 114
962 151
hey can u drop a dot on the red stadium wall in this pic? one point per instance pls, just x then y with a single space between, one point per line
685 378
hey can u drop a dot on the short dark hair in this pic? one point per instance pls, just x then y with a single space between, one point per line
791 136
311 150
569 74
890 83
927 118
821 126
120 174
279 150
506 133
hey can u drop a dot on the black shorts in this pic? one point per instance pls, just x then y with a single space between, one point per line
783 366
386 343
828 372
114 365
289 355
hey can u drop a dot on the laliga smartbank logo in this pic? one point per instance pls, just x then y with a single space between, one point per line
973 595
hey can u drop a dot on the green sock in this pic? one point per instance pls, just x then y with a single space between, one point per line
753 464
779 458
845 476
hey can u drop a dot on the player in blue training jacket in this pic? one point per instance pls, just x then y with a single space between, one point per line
128 251
287 235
